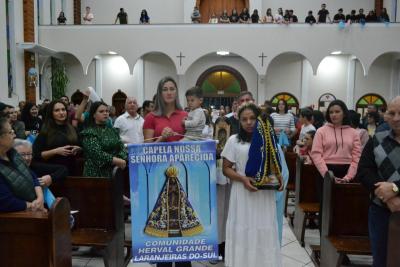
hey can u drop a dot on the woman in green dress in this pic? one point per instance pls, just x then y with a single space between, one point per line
102 145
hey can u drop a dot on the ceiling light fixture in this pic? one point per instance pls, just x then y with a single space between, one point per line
112 53
336 53
222 53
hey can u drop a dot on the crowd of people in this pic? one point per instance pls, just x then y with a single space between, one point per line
280 17
287 16
40 144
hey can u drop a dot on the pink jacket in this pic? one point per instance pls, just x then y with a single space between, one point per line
336 145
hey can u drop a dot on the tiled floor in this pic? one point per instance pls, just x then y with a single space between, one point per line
293 255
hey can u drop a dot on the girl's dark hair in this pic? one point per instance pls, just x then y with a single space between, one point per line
244 136
354 119
342 105
311 133
319 119
93 108
375 116
286 106
49 128
26 112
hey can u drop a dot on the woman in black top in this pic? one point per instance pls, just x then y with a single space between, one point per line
244 16
30 116
57 142
255 17
384 17
144 18
234 18
61 18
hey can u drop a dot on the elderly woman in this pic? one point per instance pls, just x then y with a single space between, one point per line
19 189
102 145
47 173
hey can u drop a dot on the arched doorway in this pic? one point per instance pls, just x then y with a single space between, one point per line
324 101
118 101
207 7
369 99
290 99
221 85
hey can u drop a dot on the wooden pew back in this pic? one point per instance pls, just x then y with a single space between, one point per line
36 239
393 259
306 176
100 220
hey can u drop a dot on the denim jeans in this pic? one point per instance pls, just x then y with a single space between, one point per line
378 224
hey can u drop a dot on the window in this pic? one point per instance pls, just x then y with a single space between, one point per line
290 99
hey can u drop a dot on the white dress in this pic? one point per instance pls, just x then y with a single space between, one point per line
251 228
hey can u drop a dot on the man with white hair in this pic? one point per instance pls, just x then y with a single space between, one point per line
378 171
130 124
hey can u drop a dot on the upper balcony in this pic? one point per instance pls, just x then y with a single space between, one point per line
259 44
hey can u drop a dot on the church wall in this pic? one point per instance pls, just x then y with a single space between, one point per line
283 75
301 8
378 79
157 66
236 62
3 53
331 78
105 12
77 80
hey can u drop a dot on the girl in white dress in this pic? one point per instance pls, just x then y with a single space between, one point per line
251 229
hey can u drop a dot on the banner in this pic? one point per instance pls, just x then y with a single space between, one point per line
173 201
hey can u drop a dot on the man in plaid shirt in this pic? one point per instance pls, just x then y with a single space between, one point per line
379 171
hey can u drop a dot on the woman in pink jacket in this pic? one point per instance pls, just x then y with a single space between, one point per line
336 147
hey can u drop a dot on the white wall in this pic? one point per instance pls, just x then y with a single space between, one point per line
378 79
3 54
302 7
157 66
283 75
105 12
331 78
77 80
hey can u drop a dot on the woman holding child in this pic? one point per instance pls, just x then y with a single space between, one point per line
166 124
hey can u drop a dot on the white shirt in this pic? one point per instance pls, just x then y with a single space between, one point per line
130 128
89 18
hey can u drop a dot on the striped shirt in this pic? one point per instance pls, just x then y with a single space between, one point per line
283 121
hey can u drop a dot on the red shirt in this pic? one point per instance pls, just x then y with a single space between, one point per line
158 123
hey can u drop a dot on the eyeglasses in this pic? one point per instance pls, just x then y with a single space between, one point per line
26 155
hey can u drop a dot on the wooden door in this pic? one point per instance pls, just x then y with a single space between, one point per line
207 7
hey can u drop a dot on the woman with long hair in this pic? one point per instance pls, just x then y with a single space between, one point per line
164 124
336 148
57 142
102 145
30 116
283 120
251 230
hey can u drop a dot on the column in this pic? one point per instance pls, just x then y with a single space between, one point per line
395 79
45 12
351 80
182 85
99 76
261 89
3 52
138 80
56 8
306 73
68 8
188 6
255 4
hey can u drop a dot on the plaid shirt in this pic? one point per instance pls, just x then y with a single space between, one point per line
380 162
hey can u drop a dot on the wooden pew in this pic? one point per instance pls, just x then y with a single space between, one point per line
393 258
36 239
344 222
307 204
291 163
100 220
